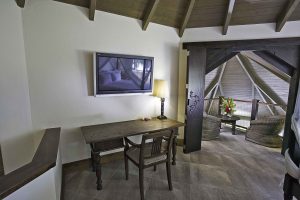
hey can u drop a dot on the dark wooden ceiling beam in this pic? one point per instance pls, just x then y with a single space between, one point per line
258 82
211 86
286 13
276 61
149 13
244 45
272 109
268 66
228 16
217 87
20 3
188 13
92 10
218 60
215 81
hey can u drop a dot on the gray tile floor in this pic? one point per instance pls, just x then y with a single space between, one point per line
228 168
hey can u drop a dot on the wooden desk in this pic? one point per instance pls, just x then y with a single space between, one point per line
230 120
105 137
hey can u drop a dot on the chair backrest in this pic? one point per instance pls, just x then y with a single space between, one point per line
211 122
160 145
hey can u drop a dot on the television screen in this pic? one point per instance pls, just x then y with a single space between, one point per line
115 74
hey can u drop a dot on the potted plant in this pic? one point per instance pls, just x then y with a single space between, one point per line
228 106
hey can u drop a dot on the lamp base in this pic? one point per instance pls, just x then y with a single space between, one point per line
161 117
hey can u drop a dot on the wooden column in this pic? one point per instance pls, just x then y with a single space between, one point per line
254 109
195 99
289 139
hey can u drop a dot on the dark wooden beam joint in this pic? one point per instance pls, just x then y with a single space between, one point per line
186 18
20 3
286 13
92 10
228 16
218 58
149 13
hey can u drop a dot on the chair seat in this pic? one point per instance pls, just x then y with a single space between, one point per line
134 154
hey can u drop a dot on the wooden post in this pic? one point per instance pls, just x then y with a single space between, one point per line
195 99
289 139
254 109
220 104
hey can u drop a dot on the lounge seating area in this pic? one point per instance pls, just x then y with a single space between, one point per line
265 131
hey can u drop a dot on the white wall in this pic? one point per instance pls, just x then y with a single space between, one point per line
15 115
59 42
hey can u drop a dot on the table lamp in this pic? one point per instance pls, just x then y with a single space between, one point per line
160 90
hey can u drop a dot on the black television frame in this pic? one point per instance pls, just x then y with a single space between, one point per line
114 92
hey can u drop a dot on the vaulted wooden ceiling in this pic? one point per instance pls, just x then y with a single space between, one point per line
183 14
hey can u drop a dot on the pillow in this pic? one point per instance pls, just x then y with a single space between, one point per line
105 78
116 75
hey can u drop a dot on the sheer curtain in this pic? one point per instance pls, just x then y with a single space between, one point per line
291 168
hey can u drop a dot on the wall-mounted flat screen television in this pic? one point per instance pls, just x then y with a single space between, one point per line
119 74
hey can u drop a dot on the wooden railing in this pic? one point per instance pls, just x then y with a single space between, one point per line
255 103
44 159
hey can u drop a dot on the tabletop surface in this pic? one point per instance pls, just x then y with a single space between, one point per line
102 132
226 118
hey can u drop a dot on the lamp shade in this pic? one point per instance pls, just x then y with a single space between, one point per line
160 88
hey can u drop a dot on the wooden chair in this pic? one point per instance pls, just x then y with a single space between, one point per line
211 127
150 154
265 131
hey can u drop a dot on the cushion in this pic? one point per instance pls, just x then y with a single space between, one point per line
116 75
105 78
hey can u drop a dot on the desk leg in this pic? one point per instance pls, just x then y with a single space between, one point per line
93 161
174 150
98 170
233 128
